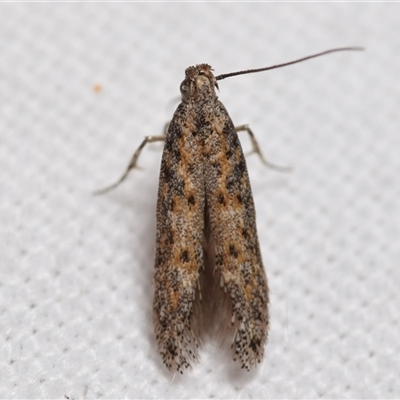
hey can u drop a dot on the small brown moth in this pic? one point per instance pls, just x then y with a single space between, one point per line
208 260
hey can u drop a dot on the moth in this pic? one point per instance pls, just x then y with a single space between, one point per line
208 265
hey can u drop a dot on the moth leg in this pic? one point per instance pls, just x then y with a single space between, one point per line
256 149
133 162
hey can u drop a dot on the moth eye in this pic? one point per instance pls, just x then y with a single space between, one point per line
184 88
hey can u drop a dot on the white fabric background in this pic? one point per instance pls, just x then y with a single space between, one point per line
76 270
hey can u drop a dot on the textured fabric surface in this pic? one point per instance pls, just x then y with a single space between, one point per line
82 84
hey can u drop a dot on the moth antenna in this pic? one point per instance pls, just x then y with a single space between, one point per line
250 71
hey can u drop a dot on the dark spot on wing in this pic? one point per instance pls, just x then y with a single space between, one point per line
185 256
232 250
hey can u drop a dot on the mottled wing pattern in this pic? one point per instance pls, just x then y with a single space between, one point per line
179 251
205 199
233 225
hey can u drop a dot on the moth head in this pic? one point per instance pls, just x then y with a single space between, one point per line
199 83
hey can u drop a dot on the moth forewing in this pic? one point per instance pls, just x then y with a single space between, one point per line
233 225
179 250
